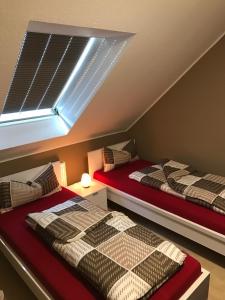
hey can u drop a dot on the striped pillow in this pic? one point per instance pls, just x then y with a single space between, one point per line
119 154
15 193
48 181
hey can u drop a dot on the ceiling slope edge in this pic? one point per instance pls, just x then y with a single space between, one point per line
176 81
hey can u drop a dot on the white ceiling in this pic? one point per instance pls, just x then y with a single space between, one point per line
170 37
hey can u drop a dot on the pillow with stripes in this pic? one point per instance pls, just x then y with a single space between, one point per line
48 181
118 154
14 193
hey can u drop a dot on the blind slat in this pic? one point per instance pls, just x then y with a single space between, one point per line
48 66
44 66
70 60
31 53
25 101
54 74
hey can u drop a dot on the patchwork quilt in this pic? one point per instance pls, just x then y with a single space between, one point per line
122 259
184 181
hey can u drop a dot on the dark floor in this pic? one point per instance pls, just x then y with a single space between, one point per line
10 282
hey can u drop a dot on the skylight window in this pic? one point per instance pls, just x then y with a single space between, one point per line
44 66
58 71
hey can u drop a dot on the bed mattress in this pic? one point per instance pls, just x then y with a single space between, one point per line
55 274
118 178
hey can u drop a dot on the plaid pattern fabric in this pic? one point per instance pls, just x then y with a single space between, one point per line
184 181
14 193
114 157
121 259
5 197
48 181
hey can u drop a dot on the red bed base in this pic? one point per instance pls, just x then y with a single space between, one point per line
56 275
118 178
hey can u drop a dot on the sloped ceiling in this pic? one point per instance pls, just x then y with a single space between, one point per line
170 37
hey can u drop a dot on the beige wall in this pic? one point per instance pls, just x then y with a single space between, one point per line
170 36
75 157
182 125
188 123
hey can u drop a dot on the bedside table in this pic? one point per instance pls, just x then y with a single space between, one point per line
96 193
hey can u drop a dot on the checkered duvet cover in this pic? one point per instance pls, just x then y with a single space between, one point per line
120 258
185 182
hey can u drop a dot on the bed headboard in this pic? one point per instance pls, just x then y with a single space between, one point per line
95 158
59 168
95 161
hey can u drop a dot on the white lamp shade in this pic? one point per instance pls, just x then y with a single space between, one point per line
85 180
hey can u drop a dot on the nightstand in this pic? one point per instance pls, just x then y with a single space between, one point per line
96 193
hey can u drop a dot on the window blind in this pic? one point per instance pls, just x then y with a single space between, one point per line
43 68
99 60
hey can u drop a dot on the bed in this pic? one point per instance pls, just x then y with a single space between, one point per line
23 249
207 227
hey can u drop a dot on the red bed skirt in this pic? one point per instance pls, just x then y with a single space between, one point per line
55 274
118 178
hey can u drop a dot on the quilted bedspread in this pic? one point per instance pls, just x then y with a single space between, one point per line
186 182
120 258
